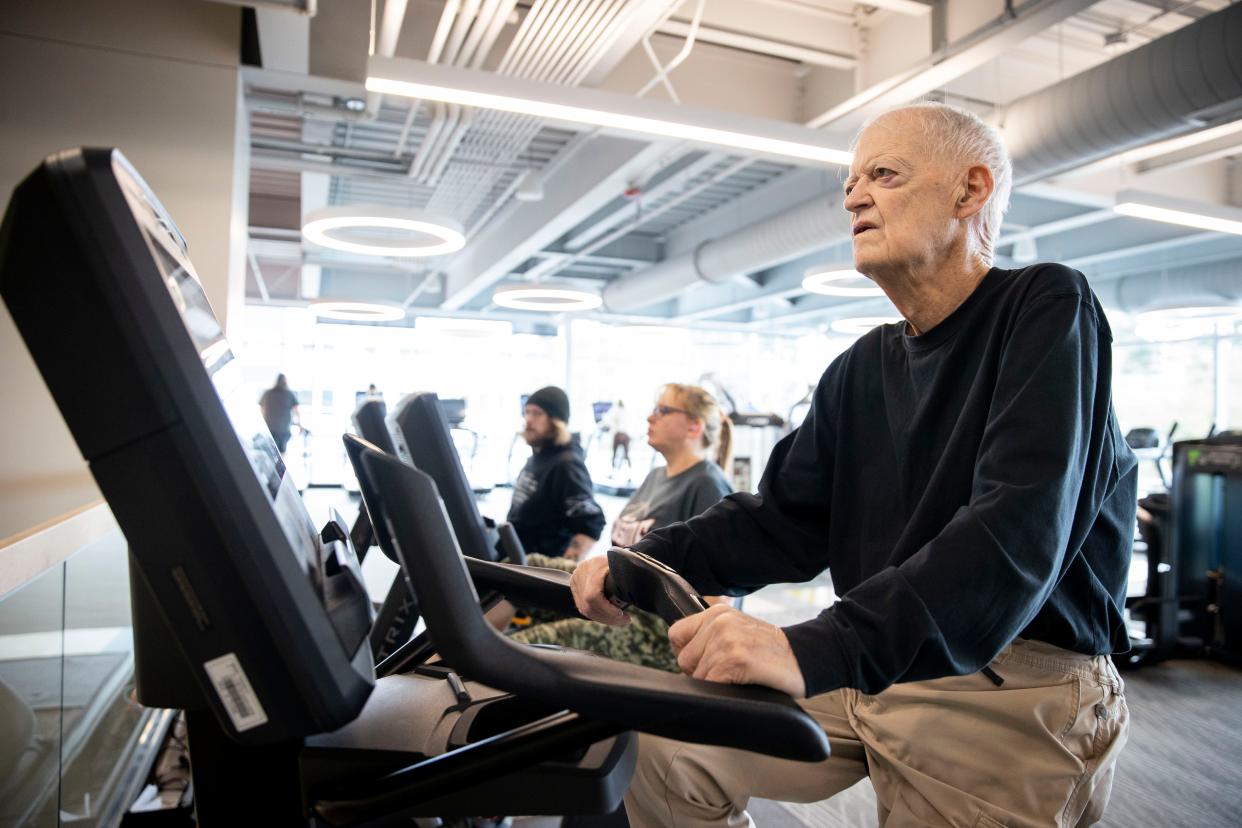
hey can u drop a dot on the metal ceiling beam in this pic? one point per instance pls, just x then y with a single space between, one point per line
259 281
1103 256
803 7
1065 195
644 14
571 193
614 261
284 39
1060 226
1183 9
301 7
261 160
628 211
761 45
1202 153
295 82
956 60
912 8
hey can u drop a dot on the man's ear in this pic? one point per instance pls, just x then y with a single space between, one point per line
974 189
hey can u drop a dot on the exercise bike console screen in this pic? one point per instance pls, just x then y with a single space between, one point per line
265 612
420 432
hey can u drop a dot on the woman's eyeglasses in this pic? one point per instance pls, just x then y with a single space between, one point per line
665 410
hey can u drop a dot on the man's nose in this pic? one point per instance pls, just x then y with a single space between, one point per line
857 198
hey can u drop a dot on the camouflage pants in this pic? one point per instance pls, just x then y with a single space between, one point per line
644 641
549 562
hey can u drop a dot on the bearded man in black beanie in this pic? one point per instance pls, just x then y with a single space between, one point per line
553 509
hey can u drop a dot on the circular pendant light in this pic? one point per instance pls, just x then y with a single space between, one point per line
858 325
836 281
383 231
358 311
546 297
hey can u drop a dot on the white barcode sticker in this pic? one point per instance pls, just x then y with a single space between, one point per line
235 692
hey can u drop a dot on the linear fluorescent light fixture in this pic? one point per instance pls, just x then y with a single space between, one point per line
1177 211
351 229
839 281
608 110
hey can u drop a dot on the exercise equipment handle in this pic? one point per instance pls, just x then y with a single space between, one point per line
639 580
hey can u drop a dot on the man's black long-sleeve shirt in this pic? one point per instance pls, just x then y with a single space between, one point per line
553 501
964 487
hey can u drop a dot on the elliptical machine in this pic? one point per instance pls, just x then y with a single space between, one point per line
1192 605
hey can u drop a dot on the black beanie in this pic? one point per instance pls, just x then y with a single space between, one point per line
552 400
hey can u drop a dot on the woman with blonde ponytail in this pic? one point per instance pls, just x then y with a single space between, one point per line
687 427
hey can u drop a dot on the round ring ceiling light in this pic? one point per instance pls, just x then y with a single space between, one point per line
357 311
546 297
839 282
383 231
858 325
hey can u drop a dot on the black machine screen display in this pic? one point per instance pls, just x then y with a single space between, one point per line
256 440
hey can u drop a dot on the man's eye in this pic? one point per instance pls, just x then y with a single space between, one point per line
881 172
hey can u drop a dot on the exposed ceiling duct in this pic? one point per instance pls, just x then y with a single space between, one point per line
795 232
1209 285
1169 86
1172 85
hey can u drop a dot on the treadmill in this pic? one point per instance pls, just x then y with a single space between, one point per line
252 619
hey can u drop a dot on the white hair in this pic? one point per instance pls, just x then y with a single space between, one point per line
962 136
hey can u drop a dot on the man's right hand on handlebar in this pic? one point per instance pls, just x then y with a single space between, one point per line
587 584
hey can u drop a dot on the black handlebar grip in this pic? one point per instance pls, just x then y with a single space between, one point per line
610 592
640 580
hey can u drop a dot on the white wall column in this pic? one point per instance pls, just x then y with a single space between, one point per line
159 79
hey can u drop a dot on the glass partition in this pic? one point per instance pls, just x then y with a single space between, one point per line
31 660
74 744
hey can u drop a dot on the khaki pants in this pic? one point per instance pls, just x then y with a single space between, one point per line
960 751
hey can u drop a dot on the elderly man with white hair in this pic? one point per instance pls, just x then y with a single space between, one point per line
962 476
